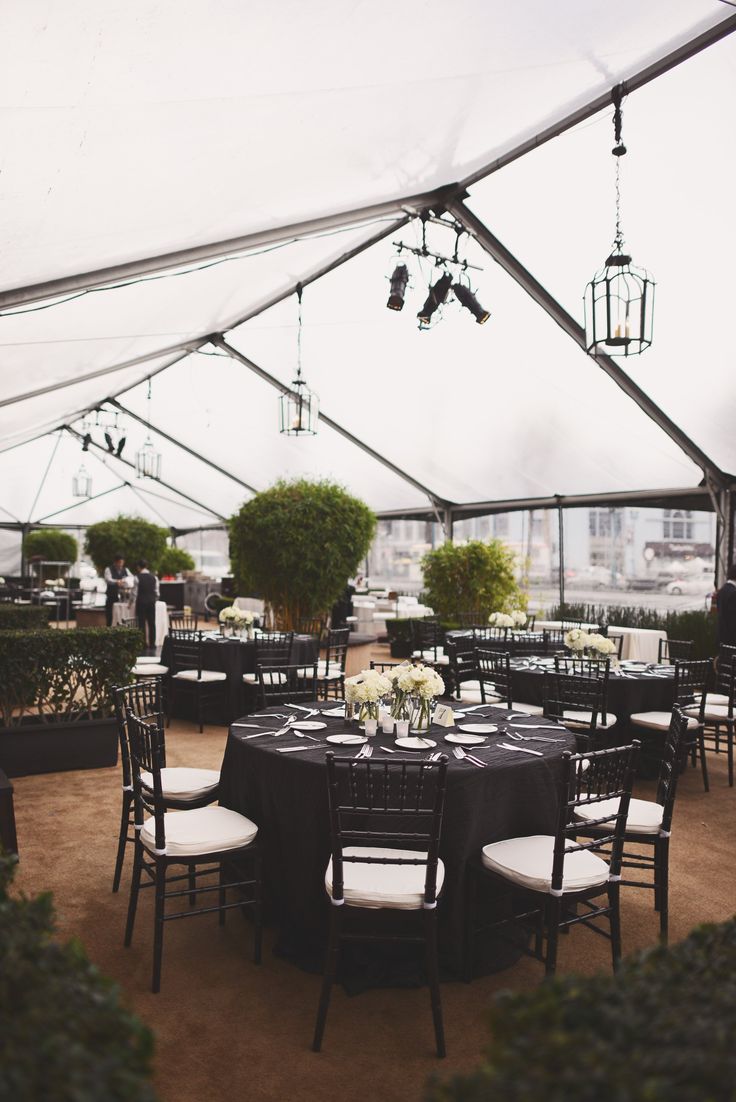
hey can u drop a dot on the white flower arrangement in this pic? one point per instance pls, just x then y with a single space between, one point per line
420 681
366 687
501 620
576 639
600 644
519 618
237 617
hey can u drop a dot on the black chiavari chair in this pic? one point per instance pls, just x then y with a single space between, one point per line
690 689
207 841
188 673
183 621
716 709
670 650
555 880
182 787
385 824
649 823
428 642
287 685
494 674
462 669
331 668
578 698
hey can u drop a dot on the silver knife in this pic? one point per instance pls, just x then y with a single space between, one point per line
295 749
521 749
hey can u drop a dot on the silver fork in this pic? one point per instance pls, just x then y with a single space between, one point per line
364 752
462 756
531 738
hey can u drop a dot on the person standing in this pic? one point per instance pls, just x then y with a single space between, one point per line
146 595
119 580
726 605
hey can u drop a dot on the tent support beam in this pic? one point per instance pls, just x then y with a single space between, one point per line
101 277
119 458
179 444
632 84
220 342
567 322
42 483
76 504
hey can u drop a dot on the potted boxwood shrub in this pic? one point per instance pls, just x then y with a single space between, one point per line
473 576
131 537
297 544
51 544
56 706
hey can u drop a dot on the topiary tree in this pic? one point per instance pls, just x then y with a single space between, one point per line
131 536
63 1031
471 577
51 544
297 544
174 560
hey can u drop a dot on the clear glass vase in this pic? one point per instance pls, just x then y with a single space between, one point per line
421 713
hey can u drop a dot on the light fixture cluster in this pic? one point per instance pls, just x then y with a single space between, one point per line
109 424
453 279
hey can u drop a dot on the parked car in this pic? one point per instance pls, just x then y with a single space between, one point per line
700 585
594 577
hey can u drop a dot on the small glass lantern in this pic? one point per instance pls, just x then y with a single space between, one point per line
82 483
148 461
298 410
619 308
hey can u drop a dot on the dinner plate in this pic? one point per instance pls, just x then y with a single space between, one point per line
466 740
345 739
412 743
308 725
478 728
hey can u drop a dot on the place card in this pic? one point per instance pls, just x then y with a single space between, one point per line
444 716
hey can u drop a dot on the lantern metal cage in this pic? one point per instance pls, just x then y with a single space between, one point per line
619 308
82 483
148 461
298 410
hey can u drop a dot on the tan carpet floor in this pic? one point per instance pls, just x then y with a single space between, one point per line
226 1029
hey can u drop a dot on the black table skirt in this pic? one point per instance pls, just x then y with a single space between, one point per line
235 657
286 795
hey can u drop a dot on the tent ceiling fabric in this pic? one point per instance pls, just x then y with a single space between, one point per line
178 124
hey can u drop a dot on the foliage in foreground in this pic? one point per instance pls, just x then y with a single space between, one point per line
51 544
697 624
64 675
132 537
471 577
297 544
662 1030
63 1033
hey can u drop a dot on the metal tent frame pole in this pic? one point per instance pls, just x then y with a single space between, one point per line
282 388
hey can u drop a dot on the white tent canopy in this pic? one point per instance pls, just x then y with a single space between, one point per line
170 171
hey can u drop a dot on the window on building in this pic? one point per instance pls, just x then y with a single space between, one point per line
677 524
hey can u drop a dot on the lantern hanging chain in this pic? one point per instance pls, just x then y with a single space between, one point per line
618 152
299 333
148 407
618 243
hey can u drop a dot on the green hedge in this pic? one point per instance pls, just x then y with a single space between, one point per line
23 616
698 625
63 1032
64 675
662 1030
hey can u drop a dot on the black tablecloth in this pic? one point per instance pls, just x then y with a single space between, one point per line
235 657
286 795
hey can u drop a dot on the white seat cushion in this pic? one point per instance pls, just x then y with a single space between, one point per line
580 718
714 713
183 783
645 816
532 709
145 659
657 721
528 863
150 669
399 887
273 678
711 699
202 830
207 675
322 674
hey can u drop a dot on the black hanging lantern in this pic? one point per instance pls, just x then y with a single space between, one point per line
298 407
82 483
619 300
147 458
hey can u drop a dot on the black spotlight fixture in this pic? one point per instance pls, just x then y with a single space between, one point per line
110 444
467 299
437 295
399 280
121 445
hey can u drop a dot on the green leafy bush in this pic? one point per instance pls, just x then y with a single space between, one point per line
297 544
131 536
64 1034
63 676
23 616
174 560
661 1030
474 576
698 625
51 544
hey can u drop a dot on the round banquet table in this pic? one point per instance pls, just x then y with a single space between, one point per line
286 795
631 689
235 657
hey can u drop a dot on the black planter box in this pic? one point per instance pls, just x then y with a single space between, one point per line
57 747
